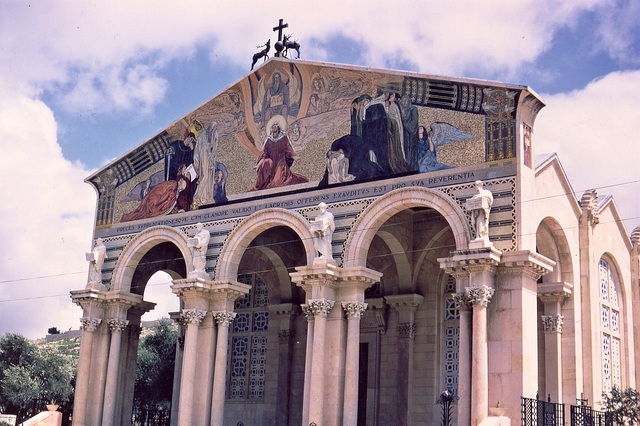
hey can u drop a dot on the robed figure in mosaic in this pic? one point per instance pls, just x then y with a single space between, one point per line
276 158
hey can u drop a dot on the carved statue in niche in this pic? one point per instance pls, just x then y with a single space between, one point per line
322 227
480 206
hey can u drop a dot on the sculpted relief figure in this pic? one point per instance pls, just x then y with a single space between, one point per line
96 260
322 228
480 206
199 244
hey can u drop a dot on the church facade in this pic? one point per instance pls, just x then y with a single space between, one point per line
347 243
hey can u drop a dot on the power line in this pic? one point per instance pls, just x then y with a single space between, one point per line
360 230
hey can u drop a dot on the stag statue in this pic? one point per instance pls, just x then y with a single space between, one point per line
264 53
290 45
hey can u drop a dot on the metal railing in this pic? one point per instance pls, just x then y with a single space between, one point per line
536 412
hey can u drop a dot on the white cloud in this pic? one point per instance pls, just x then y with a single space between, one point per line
112 57
47 214
594 132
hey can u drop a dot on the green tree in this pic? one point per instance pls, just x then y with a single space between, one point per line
154 373
32 376
624 406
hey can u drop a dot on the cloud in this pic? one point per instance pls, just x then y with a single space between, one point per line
616 33
594 132
115 57
110 55
47 214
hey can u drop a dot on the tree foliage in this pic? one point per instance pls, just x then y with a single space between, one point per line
623 405
32 376
156 362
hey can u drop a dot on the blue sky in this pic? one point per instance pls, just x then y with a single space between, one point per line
81 83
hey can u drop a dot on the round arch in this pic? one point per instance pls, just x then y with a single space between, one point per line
135 250
551 242
252 226
378 212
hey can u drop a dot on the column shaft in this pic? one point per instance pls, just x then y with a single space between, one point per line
464 369
84 371
193 317
307 368
113 367
479 367
316 394
220 367
352 364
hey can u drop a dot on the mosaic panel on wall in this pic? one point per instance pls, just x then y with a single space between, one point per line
295 126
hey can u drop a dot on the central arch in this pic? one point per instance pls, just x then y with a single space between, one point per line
240 238
138 247
366 226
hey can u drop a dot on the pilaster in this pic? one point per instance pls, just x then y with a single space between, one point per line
405 305
325 284
475 271
553 295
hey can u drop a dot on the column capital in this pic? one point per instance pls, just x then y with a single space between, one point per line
89 324
320 307
462 301
554 292
407 330
197 292
552 323
224 318
286 336
192 316
354 309
530 264
479 296
404 302
117 325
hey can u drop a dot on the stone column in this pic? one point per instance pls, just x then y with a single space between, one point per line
406 305
350 411
177 372
117 326
224 319
129 373
464 359
479 298
553 295
191 318
281 319
308 312
320 309
88 326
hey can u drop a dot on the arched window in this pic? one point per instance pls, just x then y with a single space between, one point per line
610 327
451 327
248 338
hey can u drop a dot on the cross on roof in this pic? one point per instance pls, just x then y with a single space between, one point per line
279 28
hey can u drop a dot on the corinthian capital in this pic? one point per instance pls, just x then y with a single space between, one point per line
89 324
479 296
552 323
354 309
117 325
224 318
462 301
321 306
192 316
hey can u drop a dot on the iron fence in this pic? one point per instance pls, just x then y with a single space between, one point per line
151 416
583 415
536 412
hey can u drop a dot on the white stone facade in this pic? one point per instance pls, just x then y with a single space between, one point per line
409 308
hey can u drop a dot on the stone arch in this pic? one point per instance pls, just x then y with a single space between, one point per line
551 242
134 251
378 212
252 226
